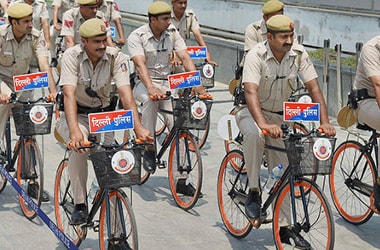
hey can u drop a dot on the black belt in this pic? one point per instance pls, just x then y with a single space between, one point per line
88 110
278 112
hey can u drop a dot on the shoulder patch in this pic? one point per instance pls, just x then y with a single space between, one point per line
68 23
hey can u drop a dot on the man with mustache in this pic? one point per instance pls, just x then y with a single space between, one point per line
87 71
19 44
73 18
269 75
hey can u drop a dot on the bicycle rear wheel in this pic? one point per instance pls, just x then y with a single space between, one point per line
191 163
120 226
30 176
351 182
64 205
314 219
231 198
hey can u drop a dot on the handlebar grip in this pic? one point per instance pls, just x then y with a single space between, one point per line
265 132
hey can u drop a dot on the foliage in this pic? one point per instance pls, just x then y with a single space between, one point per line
347 60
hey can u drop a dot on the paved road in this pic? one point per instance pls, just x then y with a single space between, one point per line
161 224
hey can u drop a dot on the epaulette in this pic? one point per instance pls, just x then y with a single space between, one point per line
298 48
256 26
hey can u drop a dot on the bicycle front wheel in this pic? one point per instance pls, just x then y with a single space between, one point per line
185 170
30 176
64 205
231 197
314 219
117 224
351 182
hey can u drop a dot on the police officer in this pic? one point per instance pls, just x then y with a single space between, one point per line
59 7
112 13
269 73
256 31
40 17
150 47
367 81
19 43
73 18
86 83
185 22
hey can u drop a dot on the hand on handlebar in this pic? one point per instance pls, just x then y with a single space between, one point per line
327 129
273 130
4 99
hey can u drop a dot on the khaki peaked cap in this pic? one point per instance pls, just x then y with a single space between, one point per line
93 27
272 6
159 8
20 10
280 23
87 2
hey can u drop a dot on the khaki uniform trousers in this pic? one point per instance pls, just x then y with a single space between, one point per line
253 149
150 108
77 165
368 112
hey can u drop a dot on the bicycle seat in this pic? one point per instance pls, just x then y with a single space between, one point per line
364 126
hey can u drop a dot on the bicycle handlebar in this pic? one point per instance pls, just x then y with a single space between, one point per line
131 143
15 99
287 132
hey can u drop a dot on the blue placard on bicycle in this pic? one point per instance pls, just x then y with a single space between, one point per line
31 81
110 121
295 111
185 80
197 52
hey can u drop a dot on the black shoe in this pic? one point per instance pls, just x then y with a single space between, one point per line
79 215
288 236
376 191
149 161
121 245
33 192
186 189
253 205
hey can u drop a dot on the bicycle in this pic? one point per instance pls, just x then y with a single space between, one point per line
116 166
31 118
310 213
354 174
207 77
185 162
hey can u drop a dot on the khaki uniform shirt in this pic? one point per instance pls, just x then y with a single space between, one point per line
77 70
39 12
255 33
64 5
110 10
141 42
276 80
368 65
72 20
188 22
15 57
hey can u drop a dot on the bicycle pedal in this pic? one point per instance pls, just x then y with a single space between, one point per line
255 222
162 165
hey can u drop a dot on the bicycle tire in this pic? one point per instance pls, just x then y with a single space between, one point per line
33 172
3 179
160 124
320 232
124 214
230 210
190 158
64 205
144 175
352 205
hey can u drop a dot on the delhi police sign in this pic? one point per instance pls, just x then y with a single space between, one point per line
197 52
295 111
110 121
185 80
30 81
